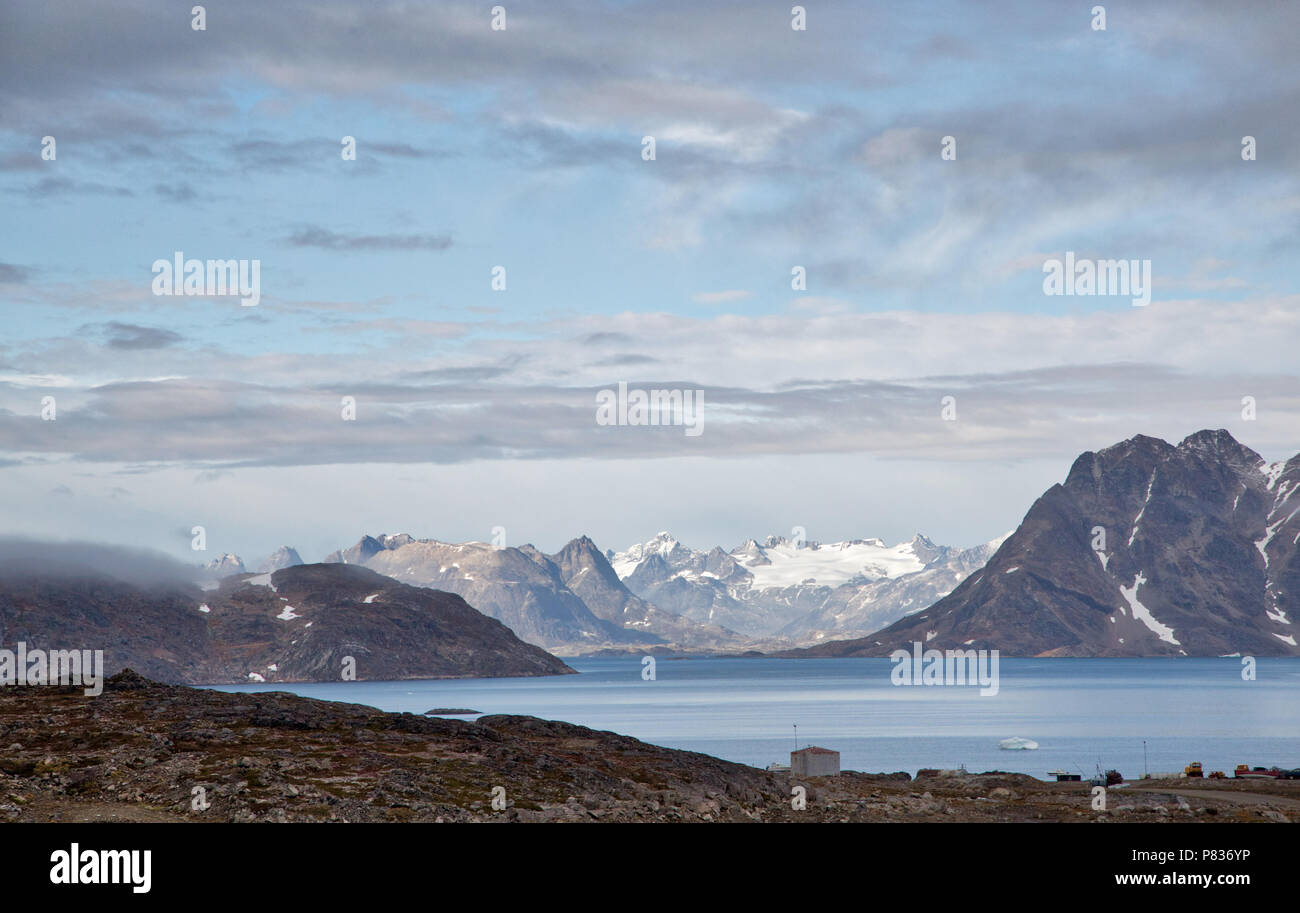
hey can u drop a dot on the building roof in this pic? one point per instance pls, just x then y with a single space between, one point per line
813 749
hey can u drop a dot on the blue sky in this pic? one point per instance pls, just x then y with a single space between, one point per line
522 148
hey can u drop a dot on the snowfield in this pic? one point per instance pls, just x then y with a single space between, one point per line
831 565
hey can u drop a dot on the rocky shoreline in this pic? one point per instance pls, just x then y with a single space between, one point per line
144 751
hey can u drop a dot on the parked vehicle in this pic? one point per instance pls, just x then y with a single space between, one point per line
1244 771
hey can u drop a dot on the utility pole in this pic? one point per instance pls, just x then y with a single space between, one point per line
1145 772
796 736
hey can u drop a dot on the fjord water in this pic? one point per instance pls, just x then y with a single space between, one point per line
1081 712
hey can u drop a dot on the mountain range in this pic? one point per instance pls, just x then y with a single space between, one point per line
569 602
661 595
1146 549
800 591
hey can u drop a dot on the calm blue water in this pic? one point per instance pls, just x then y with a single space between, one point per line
1080 711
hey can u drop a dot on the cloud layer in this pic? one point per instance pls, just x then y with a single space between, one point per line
501 249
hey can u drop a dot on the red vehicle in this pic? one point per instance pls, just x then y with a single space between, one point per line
1244 771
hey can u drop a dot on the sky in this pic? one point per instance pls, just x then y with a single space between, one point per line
524 148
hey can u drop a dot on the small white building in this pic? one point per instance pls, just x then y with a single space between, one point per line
814 762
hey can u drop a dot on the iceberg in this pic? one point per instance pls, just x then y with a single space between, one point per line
1018 744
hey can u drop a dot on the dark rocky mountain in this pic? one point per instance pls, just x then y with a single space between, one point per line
152 627
296 624
1146 549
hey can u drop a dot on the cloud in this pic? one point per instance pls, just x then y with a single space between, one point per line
603 338
132 337
60 186
180 192
21 558
325 239
804 382
11 273
620 361
775 148
464 374
728 297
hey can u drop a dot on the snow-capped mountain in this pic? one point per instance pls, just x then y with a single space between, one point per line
225 565
1146 549
803 591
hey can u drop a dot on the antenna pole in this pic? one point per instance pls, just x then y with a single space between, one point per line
796 736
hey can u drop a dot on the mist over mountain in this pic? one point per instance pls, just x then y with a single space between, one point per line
296 624
22 557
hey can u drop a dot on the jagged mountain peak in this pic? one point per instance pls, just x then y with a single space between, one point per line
1219 445
367 547
1145 550
226 564
282 557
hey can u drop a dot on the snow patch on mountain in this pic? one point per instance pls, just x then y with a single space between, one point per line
1142 614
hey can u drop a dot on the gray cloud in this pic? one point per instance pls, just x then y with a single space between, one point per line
326 239
1037 412
615 361
180 192
11 273
130 336
21 557
608 338
60 186
468 373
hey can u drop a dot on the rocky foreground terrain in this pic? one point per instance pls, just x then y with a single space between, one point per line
144 751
